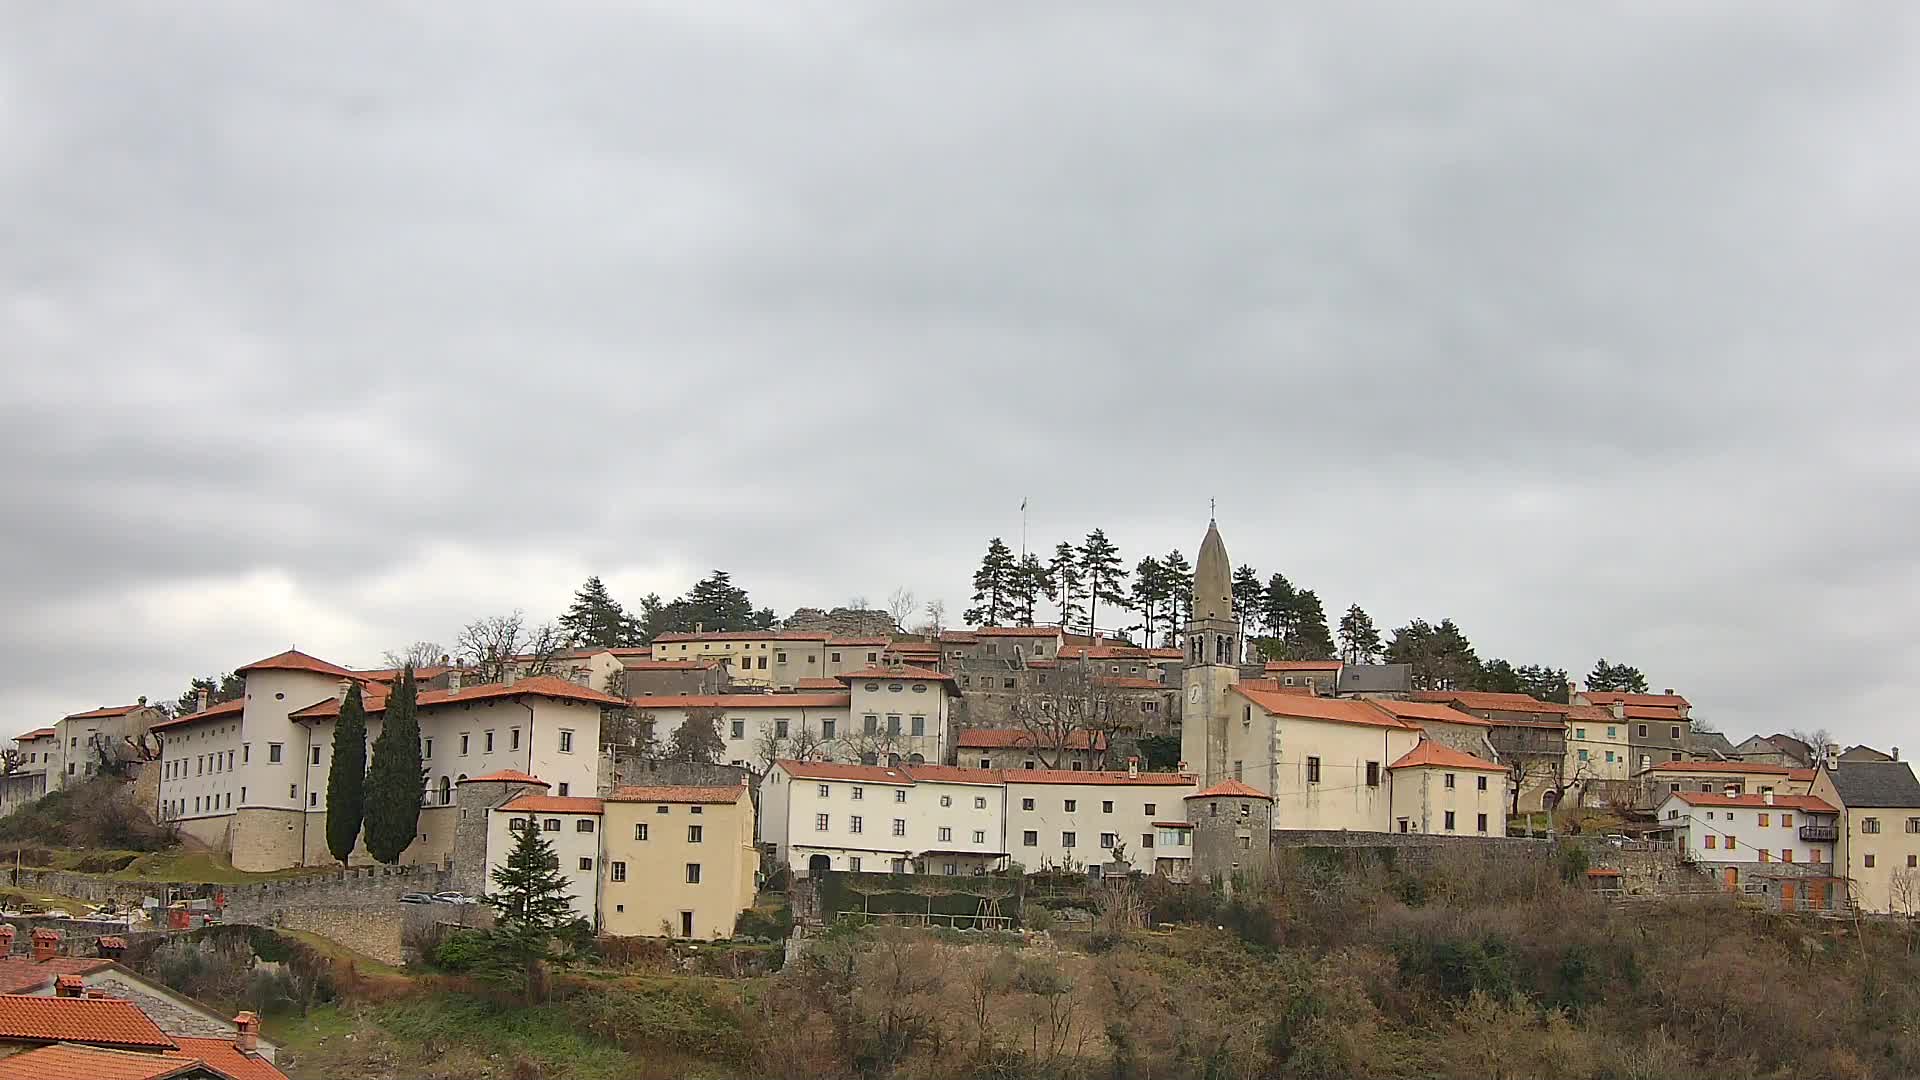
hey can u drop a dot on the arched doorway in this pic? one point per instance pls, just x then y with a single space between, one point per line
446 792
893 761
819 864
917 759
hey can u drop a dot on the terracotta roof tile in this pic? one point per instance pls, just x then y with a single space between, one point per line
1757 801
858 642
1433 712
1015 738
1231 788
36 733
828 684
224 1056
95 1021
1430 754
1336 710
223 710
835 770
25 975
1017 631
1750 767
66 1061
295 660
905 671
1117 779
1652 712
670 793
1303 665
506 776
742 635
546 686
642 664
1608 697
104 712
1492 702
840 700
553 804
952 774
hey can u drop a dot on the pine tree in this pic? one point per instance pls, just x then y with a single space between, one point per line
1498 677
1544 682
347 776
221 688
1031 582
1150 593
1105 575
531 904
1359 639
1440 656
1310 639
717 604
1624 678
1064 572
1180 588
395 782
596 618
697 739
1277 608
1247 596
993 586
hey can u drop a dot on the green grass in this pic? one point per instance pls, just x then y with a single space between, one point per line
203 866
333 950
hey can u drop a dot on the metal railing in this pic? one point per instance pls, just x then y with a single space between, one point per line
1816 833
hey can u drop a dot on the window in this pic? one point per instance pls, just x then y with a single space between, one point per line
693 878
695 833
315 755
859 793
1072 805
1107 840
293 791
979 836
584 825
946 835
1313 770
899 795
1236 770
1066 839
426 748
946 800
1867 861
1675 734
1609 757
1643 731
1030 839
871 724
1786 854
640 831
563 789
1449 821
762 665
893 724
1580 733
1712 841
1913 860
853 863
486 743
780 729
899 826
1870 825
1006 684
1106 807
1583 755
513 738
836 657
1763 822
465 738
552 824
1481 824
586 863
617 871
1026 804
820 822
273 751
1913 824
824 790
1786 821
739 729
826 729
855 824
780 658
1613 733
1730 842
1150 809
1481 783
979 802
566 741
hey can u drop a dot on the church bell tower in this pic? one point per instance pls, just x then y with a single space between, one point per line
1212 662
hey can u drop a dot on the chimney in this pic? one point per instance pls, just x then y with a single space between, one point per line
1573 691
46 945
69 986
445 660
699 627
1732 791
6 938
1767 796
143 701
1896 753
453 681
246 1033
1668 691
511 675
340 692
1133 768
203 699
1619 710
110 948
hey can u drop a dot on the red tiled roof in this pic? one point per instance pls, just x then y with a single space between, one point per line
1492 702
840 700
1303 665
505 776
25 975
1337 710
859 642
214 712
66 1061
1592 714
905 671
1015 738
1017 631
953 774
743 635
1608 697
36 733
817 684
104 712
1173 825
553 804
224 1056
834 770
1757 801
1759 767
295 660
1069 776
546 686
1651 712
1117 652
1801 775
1436 755
663 665
1231 788
670 793
1432 712
95 1021
1128 682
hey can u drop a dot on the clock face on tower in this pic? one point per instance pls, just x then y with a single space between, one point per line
1193 696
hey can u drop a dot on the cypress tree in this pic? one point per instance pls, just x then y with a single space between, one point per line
347 780
396 783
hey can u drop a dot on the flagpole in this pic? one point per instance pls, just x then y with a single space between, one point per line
1023 528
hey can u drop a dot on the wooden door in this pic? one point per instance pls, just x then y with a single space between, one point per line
1787 895
1817 895
1732 878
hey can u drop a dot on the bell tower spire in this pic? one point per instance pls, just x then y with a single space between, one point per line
1212 661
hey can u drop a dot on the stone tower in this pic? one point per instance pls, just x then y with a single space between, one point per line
1212 663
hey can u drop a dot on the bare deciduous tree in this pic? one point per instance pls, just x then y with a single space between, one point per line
935 619
1051 705
901 606
806 744
493 646
876 747
420 654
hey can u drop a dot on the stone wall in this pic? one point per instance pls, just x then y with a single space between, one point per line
378 934
99 890
1656 871
1410 849
841 622
359 890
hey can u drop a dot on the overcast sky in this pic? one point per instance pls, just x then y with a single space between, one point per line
337 325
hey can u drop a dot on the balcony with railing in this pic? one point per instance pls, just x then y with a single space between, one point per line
1819 834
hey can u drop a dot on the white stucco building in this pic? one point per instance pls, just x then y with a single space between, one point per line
1060 818
572 825
1722 827
928 819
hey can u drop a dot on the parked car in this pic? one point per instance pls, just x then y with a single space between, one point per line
415 898
454 898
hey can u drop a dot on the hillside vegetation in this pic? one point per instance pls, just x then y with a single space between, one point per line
1336 968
